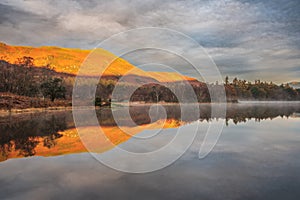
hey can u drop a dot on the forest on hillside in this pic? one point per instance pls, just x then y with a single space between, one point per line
23 85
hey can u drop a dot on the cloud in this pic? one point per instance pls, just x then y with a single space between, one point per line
244 37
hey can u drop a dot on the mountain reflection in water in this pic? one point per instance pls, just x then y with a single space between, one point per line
54 133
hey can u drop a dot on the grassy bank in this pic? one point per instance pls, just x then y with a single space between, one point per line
16 103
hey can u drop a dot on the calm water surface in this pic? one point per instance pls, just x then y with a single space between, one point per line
256 157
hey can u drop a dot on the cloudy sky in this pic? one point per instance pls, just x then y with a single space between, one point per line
250 39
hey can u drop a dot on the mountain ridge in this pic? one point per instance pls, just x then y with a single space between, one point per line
69 60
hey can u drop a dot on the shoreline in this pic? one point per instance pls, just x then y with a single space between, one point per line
33 110
5 112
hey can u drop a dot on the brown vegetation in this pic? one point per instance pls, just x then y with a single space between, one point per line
10 101
46 80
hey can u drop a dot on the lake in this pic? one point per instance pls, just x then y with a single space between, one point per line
256 157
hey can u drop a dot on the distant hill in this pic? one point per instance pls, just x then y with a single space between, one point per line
67 60
295 84
26 77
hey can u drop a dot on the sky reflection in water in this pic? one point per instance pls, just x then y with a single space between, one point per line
251 160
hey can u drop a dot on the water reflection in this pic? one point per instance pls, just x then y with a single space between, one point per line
50 134
20 135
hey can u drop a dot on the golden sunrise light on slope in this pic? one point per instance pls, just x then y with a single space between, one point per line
69 61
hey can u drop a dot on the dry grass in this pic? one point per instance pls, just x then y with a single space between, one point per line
70 60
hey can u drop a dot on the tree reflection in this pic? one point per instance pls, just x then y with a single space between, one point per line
237 113
21 134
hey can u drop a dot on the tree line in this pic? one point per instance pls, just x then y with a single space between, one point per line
22 78
262 90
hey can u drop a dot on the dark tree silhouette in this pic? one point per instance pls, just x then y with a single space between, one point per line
53 88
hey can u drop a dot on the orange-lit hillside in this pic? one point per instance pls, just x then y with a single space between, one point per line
69 61
61 59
